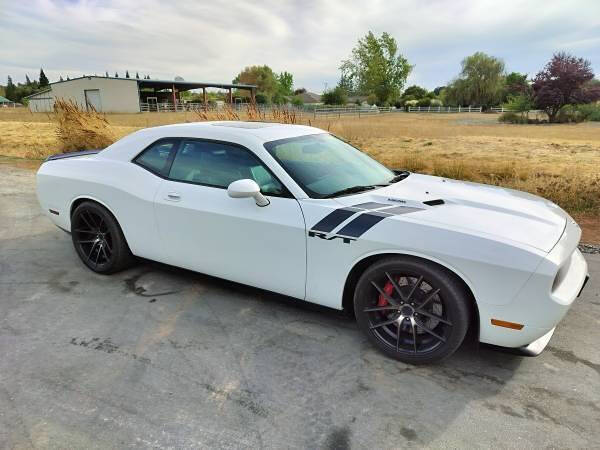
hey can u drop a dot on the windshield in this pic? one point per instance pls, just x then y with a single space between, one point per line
324 165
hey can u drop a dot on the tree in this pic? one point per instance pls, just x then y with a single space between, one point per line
127 74
27 80
564 80
438 90
106 74
335 96
415 91
375 66
116 74
297 100
137 75
11 90
286 83
299 91
346 83
263 77
43 79
480 82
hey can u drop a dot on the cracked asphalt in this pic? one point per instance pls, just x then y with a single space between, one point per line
159 357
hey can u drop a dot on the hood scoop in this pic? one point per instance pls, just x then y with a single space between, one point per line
439 201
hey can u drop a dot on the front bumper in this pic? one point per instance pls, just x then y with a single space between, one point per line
542 302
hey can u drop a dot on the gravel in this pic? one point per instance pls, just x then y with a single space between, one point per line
590 248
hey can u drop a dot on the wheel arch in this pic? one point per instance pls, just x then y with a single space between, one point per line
361 265
87 198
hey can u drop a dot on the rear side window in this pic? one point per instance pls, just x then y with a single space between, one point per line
219 165
158 157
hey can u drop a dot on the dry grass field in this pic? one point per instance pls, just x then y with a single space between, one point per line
559 162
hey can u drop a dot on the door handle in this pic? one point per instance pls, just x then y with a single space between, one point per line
173 196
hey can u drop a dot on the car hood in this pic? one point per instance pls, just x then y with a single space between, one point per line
478 208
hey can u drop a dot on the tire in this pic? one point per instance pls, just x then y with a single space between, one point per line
98 239
412 310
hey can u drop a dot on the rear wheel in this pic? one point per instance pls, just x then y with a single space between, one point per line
98 239
412 310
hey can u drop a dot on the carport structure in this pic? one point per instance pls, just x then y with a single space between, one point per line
165 94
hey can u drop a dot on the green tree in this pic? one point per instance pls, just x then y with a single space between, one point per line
297 100
137 75
43 79
335 96
480 82
263 77
11 90
286 83
106 74
415 91
375 66
127 74
116 74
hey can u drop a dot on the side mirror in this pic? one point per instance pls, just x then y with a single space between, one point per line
247 188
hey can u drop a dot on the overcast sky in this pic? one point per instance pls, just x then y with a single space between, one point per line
213 40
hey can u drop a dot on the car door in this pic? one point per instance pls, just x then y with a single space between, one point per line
205 230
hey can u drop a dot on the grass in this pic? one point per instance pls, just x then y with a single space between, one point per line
560 162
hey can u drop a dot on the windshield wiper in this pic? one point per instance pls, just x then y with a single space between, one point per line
399 177
354 190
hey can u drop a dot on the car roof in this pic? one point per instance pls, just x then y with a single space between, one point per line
264 131
243 133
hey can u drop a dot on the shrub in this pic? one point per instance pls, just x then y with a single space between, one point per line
372 99
569 114
335 96
519 103
424 102
297 100
261 98
78 129
512 117
436 102
590 111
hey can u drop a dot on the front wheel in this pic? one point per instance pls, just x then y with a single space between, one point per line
98 239
411 309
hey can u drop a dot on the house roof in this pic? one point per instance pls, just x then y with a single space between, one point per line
5 100
310 97
37 93
180 84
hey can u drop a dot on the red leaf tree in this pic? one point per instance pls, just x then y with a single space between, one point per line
564 80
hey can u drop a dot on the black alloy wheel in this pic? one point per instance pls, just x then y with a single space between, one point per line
412 310
98 239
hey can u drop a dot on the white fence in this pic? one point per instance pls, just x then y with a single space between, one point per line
339 111
444 109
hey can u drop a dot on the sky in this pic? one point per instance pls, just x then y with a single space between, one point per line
214 40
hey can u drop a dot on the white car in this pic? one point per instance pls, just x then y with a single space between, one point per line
294 210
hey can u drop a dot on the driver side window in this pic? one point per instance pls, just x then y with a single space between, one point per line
218 165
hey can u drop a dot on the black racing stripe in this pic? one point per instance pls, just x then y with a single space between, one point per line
371 205
333 219
361 224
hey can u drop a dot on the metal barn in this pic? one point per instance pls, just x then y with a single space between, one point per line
125 95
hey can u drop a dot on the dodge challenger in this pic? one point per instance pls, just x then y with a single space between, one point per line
292 209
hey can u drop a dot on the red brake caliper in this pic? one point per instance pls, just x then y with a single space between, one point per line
388 289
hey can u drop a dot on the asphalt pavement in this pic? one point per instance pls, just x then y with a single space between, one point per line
158 357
